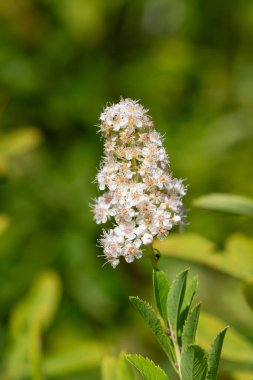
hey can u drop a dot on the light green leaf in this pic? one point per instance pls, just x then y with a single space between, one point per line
109 368
190 327
226 202
40 305
116 368
185 245
4 223
245 375
20 141
161 289
28 320
175 300
214 356
81 356
149 315
124 370
236 347
236 260
247 289
147 368
193 363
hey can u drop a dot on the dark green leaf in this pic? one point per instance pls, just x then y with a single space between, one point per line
147 368
214 356
193 363
149 315
190 327
175 300
161 289
188 297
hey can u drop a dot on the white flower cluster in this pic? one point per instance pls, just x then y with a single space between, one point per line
141 197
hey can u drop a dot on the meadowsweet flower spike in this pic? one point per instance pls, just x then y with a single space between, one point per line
141 197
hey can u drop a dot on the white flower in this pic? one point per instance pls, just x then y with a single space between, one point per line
147 238
124 214
141 197
126 230
132 250
100 212
177 218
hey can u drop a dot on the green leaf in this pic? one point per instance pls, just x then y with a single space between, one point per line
29 319
193 363
161 289
39 307
147 368
236 260
116 368
109 368
81 356
188 297
4 223
226 202
124 370
247 289
175 300
236 347
20 141
190 327
185 245
214 355
149 315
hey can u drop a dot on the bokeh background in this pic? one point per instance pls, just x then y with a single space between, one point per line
61 61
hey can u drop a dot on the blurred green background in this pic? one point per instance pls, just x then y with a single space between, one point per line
61 61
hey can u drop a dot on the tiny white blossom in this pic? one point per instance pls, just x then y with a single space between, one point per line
147 238
132 250
126 230
141 197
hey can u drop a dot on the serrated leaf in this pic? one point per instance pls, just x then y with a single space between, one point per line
188 297
149 315
175 300
227 203
214 355
161 289
247 289
147 368
193 363
190 327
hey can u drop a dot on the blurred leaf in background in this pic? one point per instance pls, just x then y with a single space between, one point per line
226 202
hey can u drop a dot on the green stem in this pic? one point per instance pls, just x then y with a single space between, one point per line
135 169
153 255
178 356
